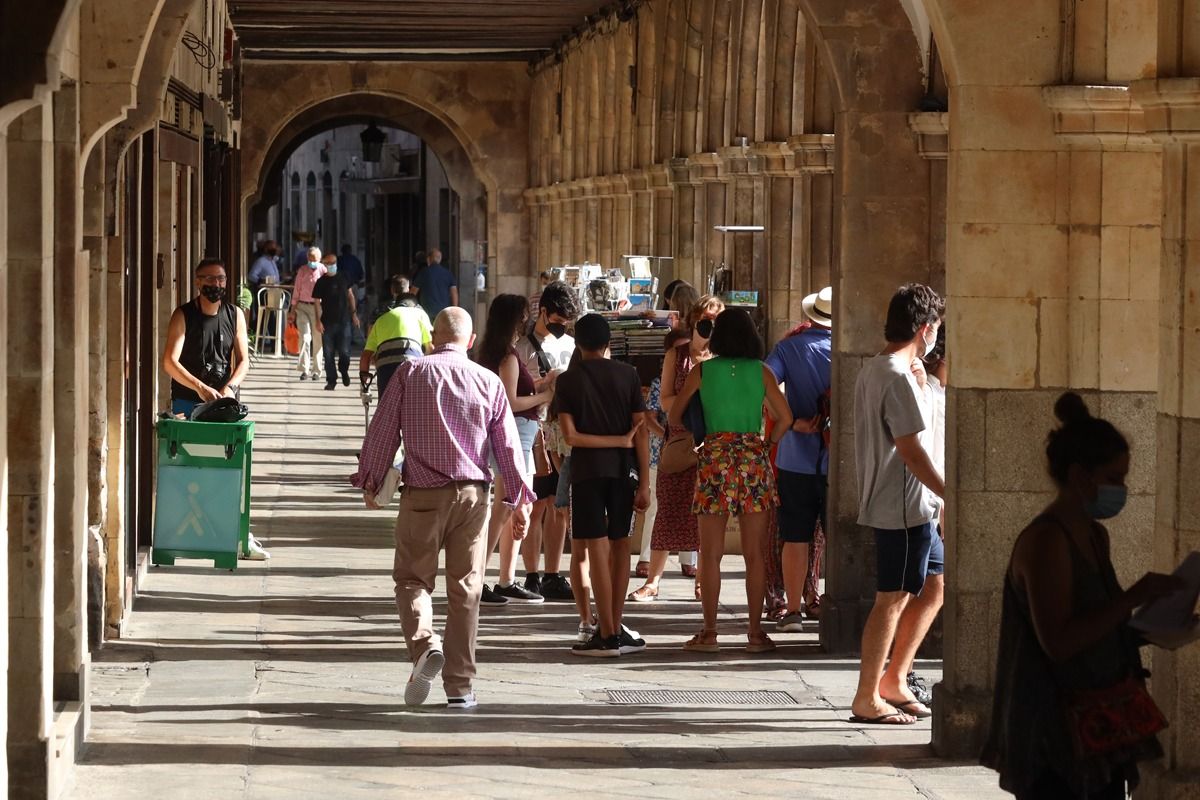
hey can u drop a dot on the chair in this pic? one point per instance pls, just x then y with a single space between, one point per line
273 303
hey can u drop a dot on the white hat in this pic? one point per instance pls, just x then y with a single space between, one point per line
819 307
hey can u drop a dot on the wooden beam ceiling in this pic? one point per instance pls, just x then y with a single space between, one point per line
398 29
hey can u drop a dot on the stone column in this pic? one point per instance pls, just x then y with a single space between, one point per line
96 253
30 374
70 315
1172 116
4 588
686 199
115 402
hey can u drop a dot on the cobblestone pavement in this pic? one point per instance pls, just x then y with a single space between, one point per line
284 679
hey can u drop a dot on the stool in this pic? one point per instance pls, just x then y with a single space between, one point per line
273 303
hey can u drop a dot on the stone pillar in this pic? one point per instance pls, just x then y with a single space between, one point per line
30 373
96 253
4 195
71 288
1172 116
115 402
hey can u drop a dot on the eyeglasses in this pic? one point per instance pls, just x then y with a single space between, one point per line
219 280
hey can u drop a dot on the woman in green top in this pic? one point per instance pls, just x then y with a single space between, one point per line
734 475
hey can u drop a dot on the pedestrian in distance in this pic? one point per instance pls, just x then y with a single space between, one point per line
337 315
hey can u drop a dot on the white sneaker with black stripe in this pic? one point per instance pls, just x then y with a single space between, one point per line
428 667
461 703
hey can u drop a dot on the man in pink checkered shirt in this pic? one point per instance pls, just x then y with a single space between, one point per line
452 413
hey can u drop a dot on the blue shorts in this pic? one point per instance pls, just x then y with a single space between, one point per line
184 407
905 558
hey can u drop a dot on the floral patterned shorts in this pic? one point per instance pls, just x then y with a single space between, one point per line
735 475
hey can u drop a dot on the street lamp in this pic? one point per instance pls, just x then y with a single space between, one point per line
372 143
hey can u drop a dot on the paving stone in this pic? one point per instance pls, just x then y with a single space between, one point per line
284 678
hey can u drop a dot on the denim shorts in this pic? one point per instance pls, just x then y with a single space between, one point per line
905 558
184 407
526 429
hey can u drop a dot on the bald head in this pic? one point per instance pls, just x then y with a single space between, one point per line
453 326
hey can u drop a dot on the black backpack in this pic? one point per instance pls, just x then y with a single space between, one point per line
223 409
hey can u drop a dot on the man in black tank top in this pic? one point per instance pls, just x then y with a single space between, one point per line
207 348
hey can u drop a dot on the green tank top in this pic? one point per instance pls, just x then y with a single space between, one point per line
732 393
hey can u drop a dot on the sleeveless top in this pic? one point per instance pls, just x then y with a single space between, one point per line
207 347
683 365
732 393
525 387
1029 737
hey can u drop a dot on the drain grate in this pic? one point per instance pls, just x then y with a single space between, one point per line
688 697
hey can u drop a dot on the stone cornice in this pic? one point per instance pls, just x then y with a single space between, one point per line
1171 108
776 159
1098 117
932 129
814 152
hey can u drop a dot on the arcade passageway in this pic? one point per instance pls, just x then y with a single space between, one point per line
285 678
1030 161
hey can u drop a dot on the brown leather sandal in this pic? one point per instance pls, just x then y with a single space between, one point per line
762 645
644 594
696 644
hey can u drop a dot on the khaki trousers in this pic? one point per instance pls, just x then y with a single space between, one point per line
310 338
453 518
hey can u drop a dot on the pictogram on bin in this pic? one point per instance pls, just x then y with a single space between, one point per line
202 500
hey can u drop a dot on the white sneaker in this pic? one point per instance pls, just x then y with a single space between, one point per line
461 703
586 630
255 551
428 666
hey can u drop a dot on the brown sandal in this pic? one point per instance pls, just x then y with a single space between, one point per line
642 570
696 644
644 594
763 645
697 588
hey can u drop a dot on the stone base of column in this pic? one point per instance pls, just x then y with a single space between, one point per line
960 721
1160 783
842 624
28 770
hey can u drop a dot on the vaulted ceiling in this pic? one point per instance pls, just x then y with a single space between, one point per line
408 29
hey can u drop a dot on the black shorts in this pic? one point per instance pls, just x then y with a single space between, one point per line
602 507
545 486
803 499
904 559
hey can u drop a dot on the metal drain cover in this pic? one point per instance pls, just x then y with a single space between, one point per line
689 697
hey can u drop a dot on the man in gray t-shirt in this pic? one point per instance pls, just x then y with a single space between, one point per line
898 489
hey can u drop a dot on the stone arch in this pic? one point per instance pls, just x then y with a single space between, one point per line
360 109
473 123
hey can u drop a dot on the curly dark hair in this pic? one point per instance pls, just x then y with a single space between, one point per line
507 315
1082 439
735 336
558 298
913 305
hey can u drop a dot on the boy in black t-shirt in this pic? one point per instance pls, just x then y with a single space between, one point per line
601 410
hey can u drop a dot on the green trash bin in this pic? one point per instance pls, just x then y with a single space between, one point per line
202 502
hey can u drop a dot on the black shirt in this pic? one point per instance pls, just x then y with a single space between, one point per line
335 305
601 396
207 348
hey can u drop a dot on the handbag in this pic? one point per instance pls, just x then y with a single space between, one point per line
678 453
291 339
1101 721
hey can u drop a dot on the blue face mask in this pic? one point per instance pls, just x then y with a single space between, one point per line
331 269
1110 501
314 264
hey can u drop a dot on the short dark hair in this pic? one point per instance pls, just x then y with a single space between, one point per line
592 332
1090 442
735 336
506 316
913 305
558 298
209 262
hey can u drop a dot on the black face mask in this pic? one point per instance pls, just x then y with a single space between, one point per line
556 329
705 328
211 293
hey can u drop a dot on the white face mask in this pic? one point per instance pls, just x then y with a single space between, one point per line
929 344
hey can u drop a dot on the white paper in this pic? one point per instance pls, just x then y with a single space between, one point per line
1176 612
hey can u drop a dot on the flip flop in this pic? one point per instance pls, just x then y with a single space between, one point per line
883 719
914 708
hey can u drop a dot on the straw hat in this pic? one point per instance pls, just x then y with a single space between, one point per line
819 307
